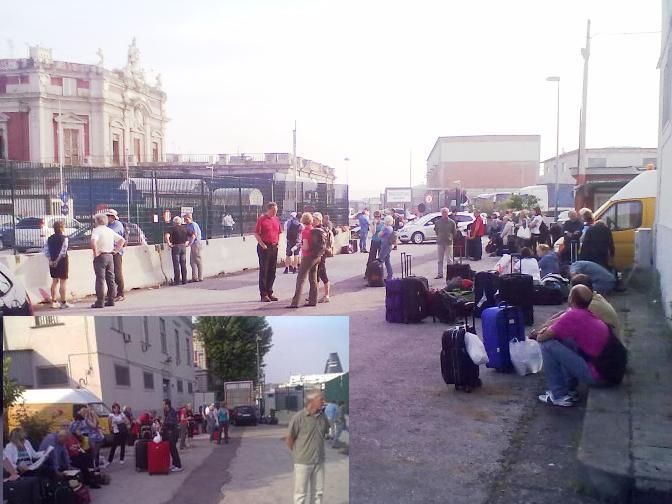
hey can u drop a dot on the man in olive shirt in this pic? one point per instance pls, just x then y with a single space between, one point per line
445 228
305 439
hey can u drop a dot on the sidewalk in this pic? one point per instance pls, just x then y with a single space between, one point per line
626 445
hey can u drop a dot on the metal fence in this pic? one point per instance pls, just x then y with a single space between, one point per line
147 198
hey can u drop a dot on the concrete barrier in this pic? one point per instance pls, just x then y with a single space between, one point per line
144 265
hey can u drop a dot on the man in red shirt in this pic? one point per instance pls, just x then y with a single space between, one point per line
267 233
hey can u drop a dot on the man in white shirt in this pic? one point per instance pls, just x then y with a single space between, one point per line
104 242
535 228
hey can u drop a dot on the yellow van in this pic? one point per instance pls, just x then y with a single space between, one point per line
634 206
57 406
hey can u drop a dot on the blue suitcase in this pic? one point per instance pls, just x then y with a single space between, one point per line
501 324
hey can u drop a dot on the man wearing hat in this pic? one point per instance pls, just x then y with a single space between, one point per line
104 242
115 225
293 230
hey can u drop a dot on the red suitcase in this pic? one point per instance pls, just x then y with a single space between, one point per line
158 457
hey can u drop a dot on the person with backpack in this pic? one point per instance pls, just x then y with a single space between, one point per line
388 239
328 252
313 247
223 421
573 351
376 228
293 230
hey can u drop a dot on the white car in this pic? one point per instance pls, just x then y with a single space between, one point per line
32 232
422 228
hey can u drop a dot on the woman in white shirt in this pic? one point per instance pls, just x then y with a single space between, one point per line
529 265
119 429
19 452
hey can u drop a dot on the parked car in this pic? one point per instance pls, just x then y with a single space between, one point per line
404 214
32 232
6 233
14 299
244 415
82 237
422 228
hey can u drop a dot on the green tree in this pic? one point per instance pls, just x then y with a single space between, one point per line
11 390
231 345
518 202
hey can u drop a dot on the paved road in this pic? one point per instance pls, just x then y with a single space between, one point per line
264 447
413 439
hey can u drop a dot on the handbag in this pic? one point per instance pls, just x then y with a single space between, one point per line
475 349
524 233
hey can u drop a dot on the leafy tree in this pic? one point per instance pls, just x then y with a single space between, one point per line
518 202
11 390
231 345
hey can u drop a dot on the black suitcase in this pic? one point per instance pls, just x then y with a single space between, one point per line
141 454
458 269
485 289
415 292
517 289
353 245
457 368
21 491
375 273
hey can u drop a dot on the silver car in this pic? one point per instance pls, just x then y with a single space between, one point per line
422 228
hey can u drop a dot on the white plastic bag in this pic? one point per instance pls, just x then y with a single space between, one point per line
157 438
475 349
503 264
525 356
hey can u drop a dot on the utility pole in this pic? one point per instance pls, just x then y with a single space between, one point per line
60 144
585 52
296 175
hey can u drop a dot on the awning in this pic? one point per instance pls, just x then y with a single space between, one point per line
228 196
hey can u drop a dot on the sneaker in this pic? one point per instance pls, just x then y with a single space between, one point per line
574 395
176 469
324 299
66 305
548 398
286 271
119 298
265 299
55 305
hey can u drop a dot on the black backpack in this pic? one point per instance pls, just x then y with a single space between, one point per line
318 242
612 361
293 231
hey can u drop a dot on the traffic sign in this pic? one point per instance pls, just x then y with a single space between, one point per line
65 209
428 198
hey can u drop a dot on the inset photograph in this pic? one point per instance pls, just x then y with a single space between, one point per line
176 409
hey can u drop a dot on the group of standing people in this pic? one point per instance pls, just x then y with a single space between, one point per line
384 238
217 420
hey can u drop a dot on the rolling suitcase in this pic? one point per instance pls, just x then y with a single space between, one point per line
158 457
517 289
458 269
415 292
501 324
394 301
141 454
485 288
375 273
457 368
353 245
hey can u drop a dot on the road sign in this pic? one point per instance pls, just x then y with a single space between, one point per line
428 198
398 195
65 209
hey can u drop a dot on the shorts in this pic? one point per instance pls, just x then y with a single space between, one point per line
295 252
322 271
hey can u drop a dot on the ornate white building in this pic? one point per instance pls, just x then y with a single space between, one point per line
95 115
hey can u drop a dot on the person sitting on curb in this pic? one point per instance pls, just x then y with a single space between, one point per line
573 335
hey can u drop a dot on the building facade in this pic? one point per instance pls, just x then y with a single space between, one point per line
485 163
277 166
663 226
94 115
607 170
135 361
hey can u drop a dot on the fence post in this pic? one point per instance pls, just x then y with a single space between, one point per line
157 224
91 205
203 212
11 171
240 206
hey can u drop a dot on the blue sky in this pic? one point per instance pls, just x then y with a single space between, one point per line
301 345
369 80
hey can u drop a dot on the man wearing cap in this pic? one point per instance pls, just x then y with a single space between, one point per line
115 225
104 242
293 230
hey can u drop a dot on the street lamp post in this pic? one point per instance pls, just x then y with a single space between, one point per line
557 143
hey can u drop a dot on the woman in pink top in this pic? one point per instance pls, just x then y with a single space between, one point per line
308 266
574 334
